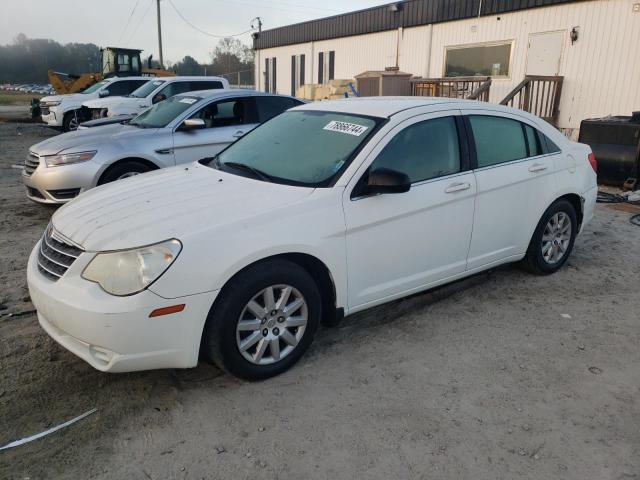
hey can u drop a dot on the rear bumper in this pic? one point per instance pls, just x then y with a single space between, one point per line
588 206
115 334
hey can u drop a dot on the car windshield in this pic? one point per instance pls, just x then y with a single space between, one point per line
146 89
96 86
302 147
163 113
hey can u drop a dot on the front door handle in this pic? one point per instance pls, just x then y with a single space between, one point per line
164 151
537 167
238 134
457 187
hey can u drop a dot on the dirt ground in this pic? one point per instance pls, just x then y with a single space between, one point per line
505 375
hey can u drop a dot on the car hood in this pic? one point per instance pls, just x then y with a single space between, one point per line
175 202
111 102
77 97
91 139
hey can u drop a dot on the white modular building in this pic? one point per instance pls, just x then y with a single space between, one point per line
593 45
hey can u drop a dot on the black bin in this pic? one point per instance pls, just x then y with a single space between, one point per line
615 141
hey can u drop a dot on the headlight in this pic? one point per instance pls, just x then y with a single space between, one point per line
52 103
68 158
130 271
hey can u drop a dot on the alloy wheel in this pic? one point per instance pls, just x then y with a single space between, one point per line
556 238
271 324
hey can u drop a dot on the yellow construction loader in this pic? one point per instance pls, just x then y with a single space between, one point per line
116 62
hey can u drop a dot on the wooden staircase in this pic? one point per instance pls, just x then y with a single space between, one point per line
539 95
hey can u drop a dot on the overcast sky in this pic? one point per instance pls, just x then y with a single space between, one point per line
111 23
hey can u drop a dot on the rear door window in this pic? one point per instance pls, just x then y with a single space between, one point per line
497 139
532 140
269 107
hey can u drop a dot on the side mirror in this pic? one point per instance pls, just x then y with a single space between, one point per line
104 93
386 180
159 98
193 124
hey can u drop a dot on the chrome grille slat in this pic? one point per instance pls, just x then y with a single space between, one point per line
55 256
53 243
31 163
51 259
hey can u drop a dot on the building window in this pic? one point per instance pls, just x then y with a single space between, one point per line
326 63
491 59
297 73
270 68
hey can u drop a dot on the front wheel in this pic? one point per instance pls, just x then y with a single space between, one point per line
553 239
70 122
264 321
122 170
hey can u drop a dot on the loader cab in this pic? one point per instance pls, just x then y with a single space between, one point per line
121 62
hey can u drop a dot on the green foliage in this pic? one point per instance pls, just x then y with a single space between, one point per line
27 60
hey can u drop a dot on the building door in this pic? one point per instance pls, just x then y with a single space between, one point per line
545 52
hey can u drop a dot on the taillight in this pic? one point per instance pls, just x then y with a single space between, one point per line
593 162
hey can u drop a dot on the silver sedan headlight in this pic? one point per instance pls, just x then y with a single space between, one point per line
68 158
126 272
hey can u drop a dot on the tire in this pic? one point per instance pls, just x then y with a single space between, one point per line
70 122
125 169
551 244
222 338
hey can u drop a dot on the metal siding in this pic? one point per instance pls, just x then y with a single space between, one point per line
378 19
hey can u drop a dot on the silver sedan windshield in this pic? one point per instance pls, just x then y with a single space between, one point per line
163 113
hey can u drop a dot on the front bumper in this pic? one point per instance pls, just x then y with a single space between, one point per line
115 334
51 116
57 185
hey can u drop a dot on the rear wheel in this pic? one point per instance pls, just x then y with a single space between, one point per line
122 170
70 122
264 320
553 239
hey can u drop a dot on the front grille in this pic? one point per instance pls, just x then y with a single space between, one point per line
64 194
31 163
44 109
56 255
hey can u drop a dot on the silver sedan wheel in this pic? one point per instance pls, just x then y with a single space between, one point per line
271 324
556 238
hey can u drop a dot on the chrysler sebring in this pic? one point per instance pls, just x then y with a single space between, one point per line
325 210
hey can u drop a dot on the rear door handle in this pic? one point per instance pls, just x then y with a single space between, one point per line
537 167
238 134
457 187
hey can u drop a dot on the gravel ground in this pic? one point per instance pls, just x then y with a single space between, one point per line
501 376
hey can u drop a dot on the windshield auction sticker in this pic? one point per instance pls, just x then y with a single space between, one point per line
344 127
188 100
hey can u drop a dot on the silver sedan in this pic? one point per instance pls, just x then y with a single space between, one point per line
182 129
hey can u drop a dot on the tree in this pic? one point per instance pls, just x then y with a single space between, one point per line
188 66
231 56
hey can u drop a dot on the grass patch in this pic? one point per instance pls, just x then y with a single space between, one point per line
17 98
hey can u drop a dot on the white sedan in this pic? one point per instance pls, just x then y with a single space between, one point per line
323 211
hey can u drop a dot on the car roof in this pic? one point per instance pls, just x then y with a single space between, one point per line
387 106
223 93
185 77
136 77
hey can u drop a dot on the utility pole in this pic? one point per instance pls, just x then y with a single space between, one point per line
160 35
